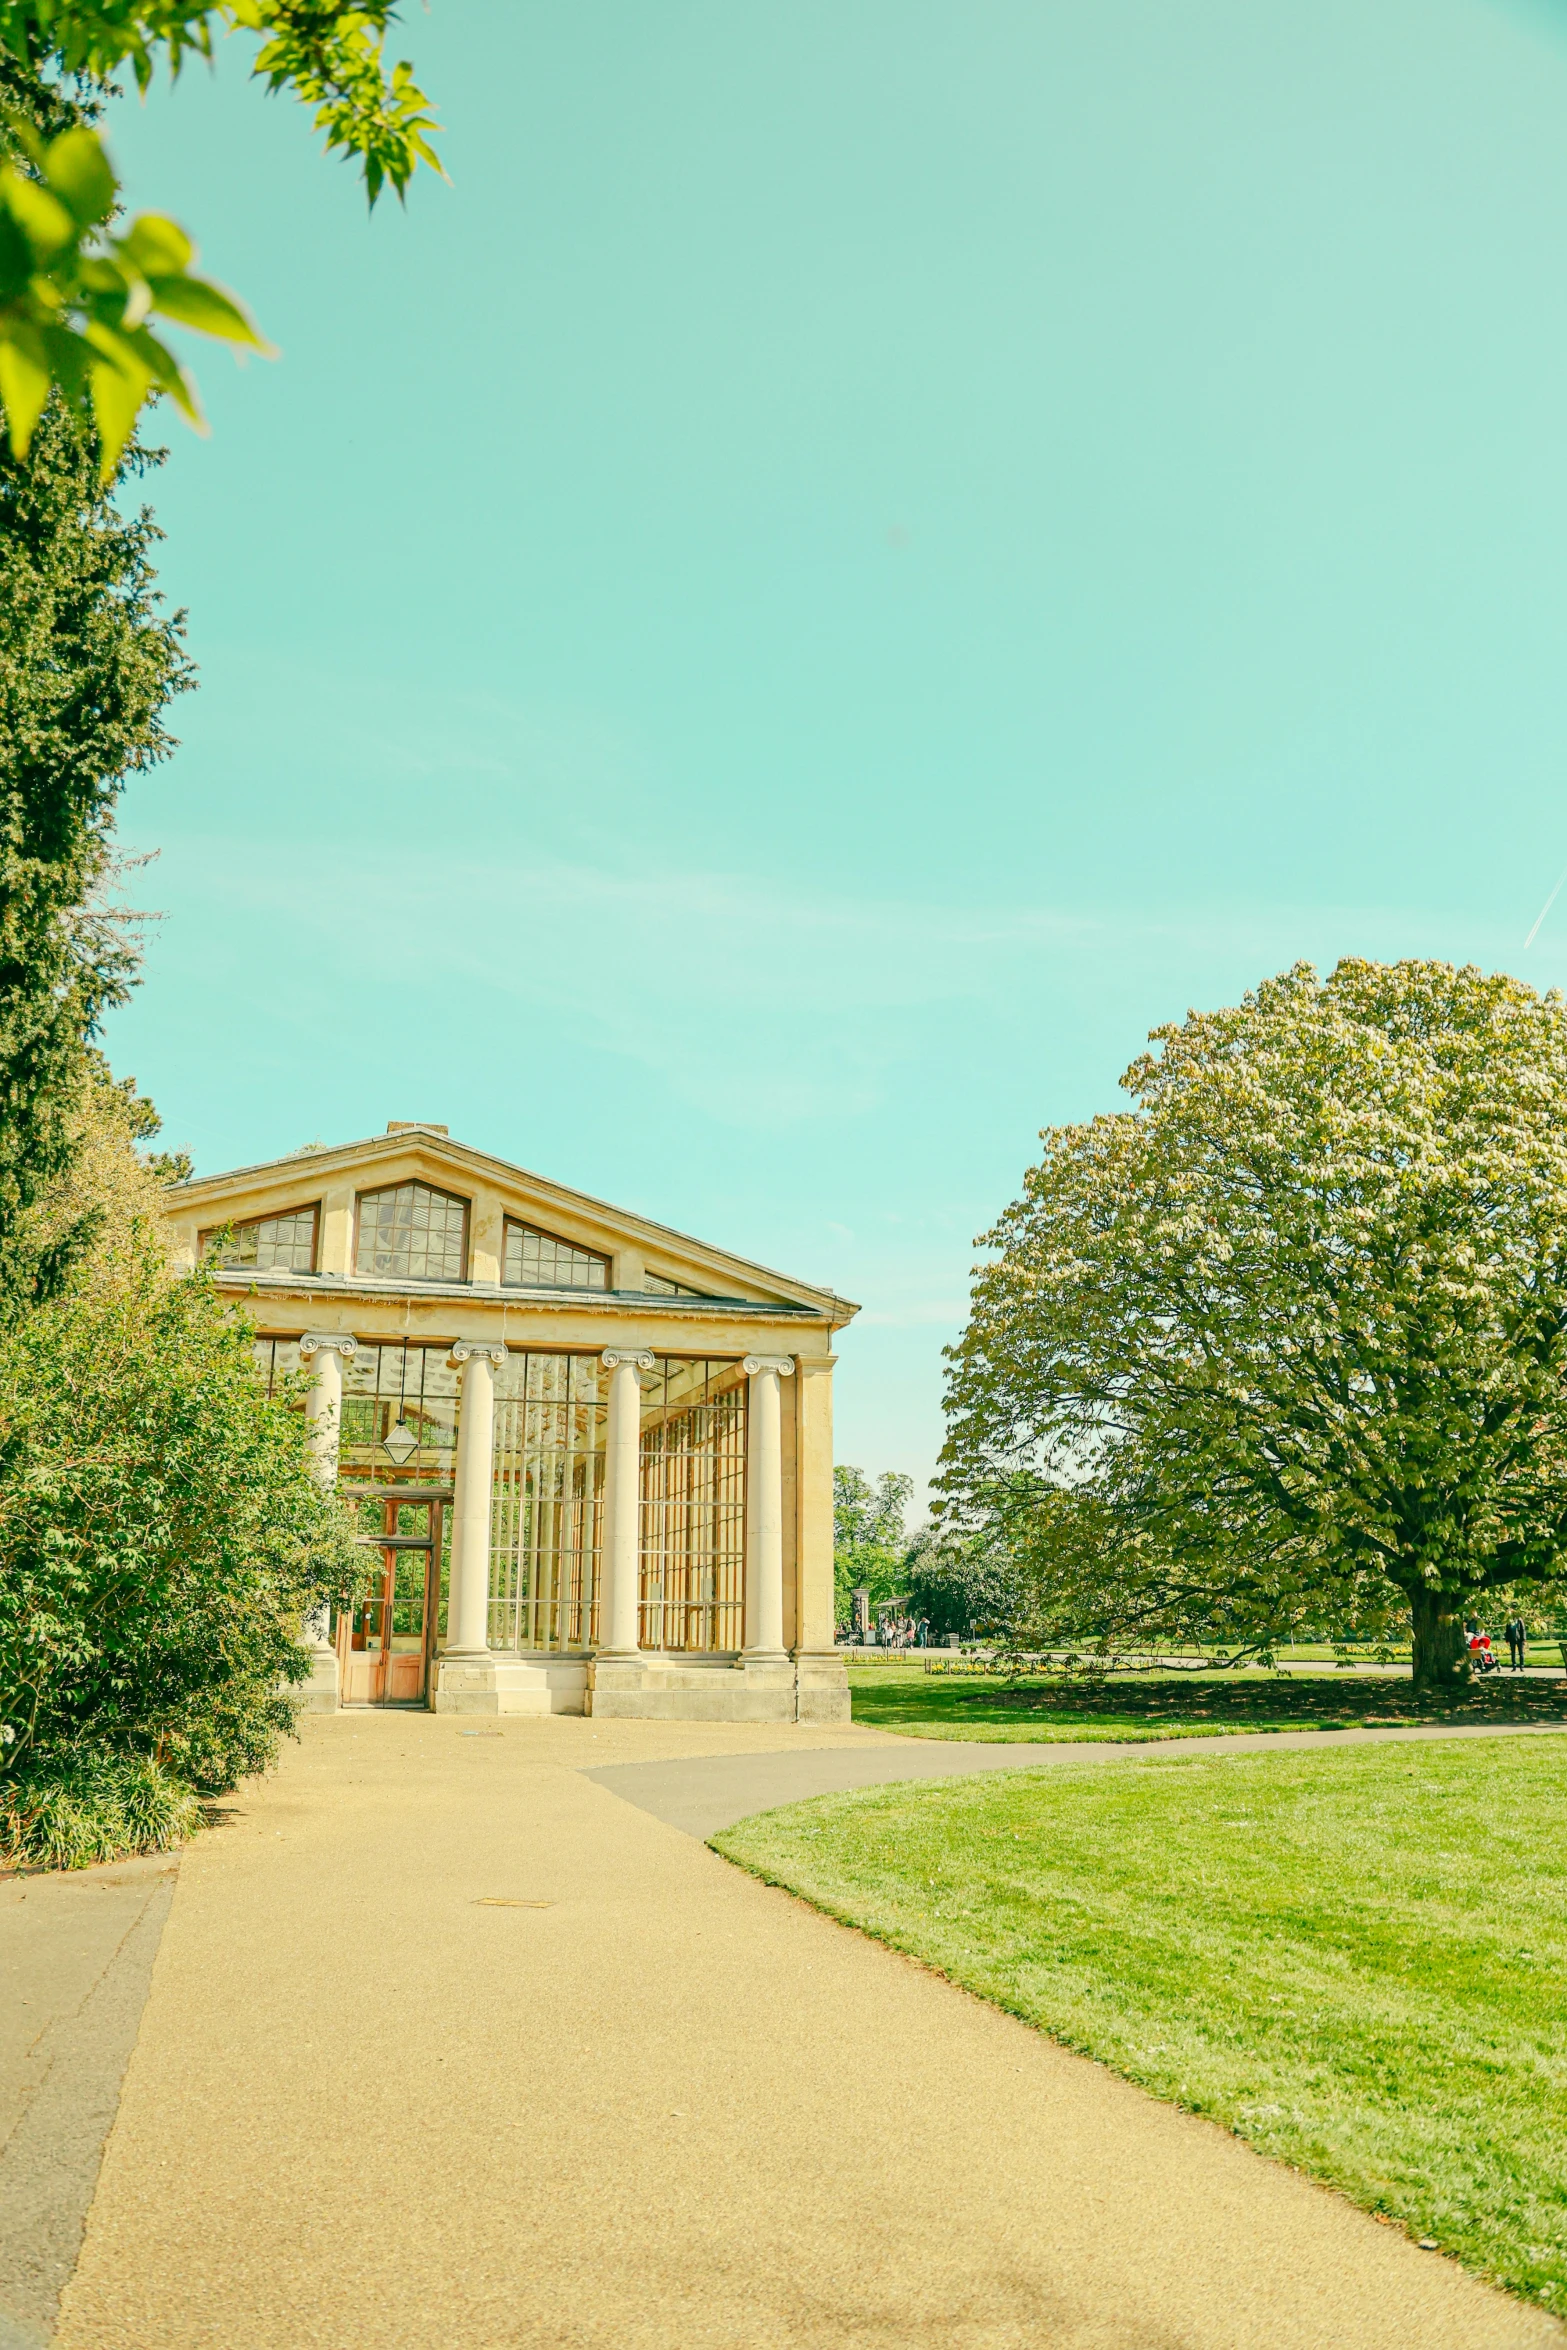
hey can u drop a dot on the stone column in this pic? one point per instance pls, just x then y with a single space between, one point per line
620 1564
468 1593
821 1683
324 1404
326 1351
764 1508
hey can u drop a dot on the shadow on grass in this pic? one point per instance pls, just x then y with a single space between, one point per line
1181 1705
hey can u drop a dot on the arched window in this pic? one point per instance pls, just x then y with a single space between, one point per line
410 1232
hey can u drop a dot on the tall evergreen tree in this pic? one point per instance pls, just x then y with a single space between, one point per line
88 664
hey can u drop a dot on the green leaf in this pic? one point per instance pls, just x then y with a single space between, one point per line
157 246
138 301
117 396
45 222
78 170
24 380
71 361
165 371
193 301
16 259
20 132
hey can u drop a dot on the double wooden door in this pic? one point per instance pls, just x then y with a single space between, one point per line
385 1643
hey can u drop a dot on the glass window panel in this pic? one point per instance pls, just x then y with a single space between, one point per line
548 1501
366 1624
411 1233
278 1360
660 1285
409 1569
693 1455
385 1384
267 1244
547 1511
541 1260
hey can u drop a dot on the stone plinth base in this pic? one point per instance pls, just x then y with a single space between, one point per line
821 1686
495 1684
687 1689
811 1686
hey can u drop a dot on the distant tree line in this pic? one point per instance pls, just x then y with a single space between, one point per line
954 1583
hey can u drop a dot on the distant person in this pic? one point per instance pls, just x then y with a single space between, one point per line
1480 1649
1516 1636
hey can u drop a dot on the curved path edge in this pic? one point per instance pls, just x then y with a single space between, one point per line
705 1794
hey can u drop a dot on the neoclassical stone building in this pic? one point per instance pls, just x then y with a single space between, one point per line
592 1457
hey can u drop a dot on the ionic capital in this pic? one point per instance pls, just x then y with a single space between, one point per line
614 1356
467 1350
327 1342
782 1364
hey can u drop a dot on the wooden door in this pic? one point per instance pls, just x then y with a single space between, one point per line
384 1644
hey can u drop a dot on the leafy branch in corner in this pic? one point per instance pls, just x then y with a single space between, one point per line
77 295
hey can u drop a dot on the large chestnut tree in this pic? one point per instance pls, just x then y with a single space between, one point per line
1286 1340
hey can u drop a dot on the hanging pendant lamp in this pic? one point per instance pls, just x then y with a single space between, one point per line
400 1440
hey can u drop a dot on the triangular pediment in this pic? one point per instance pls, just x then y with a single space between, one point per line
498 1195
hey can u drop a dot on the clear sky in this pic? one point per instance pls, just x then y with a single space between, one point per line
855 560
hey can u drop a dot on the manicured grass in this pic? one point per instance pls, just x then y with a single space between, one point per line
1174 1705
1352 1958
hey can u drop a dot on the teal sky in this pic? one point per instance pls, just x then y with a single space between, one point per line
855 560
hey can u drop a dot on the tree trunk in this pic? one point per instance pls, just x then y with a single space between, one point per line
1441 1654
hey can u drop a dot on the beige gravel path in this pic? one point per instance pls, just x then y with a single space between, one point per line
670 2108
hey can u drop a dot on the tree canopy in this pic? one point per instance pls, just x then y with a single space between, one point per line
1288 1339
963 1585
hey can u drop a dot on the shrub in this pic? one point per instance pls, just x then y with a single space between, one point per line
76 1806
163 1533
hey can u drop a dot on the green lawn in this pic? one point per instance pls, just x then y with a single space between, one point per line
1174 1705
1352 1958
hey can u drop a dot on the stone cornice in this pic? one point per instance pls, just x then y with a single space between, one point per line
323 1289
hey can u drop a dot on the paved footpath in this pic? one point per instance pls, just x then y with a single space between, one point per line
450 2047
76 1957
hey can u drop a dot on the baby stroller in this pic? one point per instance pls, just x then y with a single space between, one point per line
1481 1655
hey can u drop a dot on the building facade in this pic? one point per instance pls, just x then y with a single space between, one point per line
591 1458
